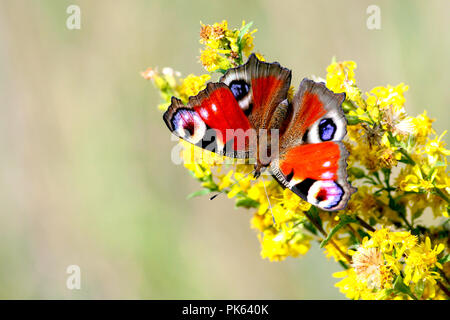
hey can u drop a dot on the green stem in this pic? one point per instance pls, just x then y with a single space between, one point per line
441 194
407 156
324 233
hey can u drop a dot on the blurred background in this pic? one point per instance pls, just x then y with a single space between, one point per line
86 176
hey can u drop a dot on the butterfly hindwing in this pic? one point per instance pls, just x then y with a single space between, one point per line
317 173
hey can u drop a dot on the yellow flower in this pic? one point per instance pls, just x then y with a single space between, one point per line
226 180
387 241
261 222
224 47
247 41
211 35
435 149
352 287
341 78
332 252
192 85
420 261
416 181
212 60
389 96
260 56
278 246
423 126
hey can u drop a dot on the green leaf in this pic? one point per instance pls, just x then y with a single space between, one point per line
439 164
400 286
356 172
417 214
418 290
352 120
343 265
344 221
347 105
242 32
444 259
362 233
222 71
198 193
397 206
313 213
430 173
308 226
246 203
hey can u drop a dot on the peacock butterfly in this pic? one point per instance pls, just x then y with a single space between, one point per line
247 115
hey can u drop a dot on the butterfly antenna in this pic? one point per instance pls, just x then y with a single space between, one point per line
268 199
219 193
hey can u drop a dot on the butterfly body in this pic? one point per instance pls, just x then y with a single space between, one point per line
247 115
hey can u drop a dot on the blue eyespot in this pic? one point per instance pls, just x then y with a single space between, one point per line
327 129
239 88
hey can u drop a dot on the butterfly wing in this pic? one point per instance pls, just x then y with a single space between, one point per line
211 120
259 87
312 160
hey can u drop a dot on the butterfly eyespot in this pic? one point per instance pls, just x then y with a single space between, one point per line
189 129
188 125
327 129
239 88
325 194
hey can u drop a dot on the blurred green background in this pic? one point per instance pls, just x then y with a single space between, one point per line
86 176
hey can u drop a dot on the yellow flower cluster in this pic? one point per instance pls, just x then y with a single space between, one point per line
224 48
397 162
393 265
280 221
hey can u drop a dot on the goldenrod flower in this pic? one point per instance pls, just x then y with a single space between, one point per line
212 60
435 149
420 261
192 85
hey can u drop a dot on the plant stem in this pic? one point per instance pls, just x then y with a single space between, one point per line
365 224
407 156
444 288
324 233
441 194
357 235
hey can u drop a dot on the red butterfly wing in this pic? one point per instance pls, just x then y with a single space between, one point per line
312 161
259 87
316 173
212 120
235 108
